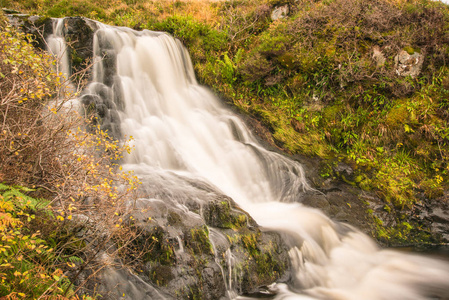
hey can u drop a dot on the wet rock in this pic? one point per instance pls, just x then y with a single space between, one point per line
100 105
434 214
39 27
78 32
204 248
119 282
79 35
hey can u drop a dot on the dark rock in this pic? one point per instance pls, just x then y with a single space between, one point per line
434 214
78 32
343 169
10 11
39 27
79 36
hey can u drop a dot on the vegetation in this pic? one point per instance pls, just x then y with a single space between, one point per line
29 266
44 155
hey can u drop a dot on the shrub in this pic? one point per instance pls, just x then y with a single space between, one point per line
45 144
29 266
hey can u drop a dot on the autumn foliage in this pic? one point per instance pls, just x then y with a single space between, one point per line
58 175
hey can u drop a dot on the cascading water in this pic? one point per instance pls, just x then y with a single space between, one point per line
57 46
182 134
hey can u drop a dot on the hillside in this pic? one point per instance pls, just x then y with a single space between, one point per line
362 83
357 90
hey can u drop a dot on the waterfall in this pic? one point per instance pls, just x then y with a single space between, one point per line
57 46
182 134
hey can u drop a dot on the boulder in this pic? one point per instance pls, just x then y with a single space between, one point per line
408 63
79 33
39 27
204 251
280 12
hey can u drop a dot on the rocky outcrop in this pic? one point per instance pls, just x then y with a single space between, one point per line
280 12
408 63
39 27
206 249
77 31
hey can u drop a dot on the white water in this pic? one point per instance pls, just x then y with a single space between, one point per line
181 130
57 46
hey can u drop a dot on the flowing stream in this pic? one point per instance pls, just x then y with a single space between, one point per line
182 133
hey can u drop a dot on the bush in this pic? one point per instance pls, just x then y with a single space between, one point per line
46 145
29 266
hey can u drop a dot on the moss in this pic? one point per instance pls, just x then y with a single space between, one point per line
197 240
403 233
158 248
260 258
194 292
161 275
250 242
76 8
220 214
41 21
287 61
173 218
410 50
76 59
397 116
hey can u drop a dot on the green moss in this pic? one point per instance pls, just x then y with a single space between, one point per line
157 248
174 218
410 50
161 275
198 241
397 116
41 21
403 233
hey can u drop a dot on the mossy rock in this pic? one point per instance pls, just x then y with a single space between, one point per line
161 275
221 214
197 241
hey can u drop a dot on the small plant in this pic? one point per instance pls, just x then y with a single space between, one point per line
29 266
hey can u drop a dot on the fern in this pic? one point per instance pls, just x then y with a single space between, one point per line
75 259
15 194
